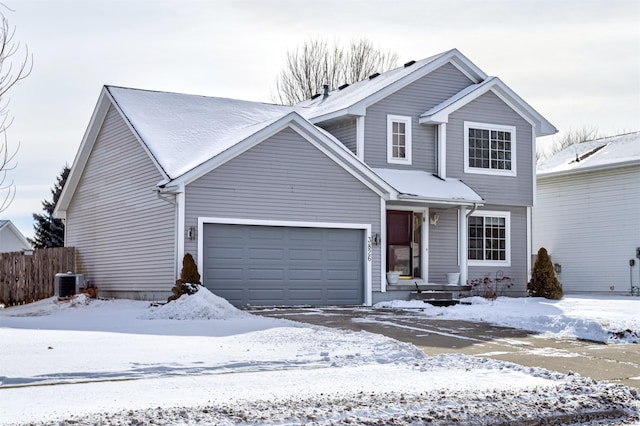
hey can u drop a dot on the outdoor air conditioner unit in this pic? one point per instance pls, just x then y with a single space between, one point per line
68 284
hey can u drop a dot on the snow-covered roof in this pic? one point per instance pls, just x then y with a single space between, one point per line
183 131
607 152
349 99
416 184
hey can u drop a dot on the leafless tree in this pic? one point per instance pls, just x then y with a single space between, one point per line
570 137
10 75
318 62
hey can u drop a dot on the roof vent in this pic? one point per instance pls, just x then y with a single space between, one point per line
317 95
372 76
408 64
344 86
325 91
587 154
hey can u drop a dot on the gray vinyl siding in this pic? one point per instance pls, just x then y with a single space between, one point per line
284 178
589 224
503 190
443 250
518 270
345 131
123 234
412 101
443 245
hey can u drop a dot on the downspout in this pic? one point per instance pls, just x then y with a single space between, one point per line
464 241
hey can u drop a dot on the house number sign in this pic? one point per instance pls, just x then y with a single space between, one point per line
369 250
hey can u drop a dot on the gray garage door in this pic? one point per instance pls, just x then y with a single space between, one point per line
273 265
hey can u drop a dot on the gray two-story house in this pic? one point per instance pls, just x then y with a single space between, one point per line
425 170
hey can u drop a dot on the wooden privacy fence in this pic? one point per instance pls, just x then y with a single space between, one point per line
27 278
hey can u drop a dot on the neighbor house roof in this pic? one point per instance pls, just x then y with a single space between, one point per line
610 152
8 226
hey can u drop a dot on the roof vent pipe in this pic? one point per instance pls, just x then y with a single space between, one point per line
325 91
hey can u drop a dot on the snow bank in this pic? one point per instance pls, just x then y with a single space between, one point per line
606 319
202 305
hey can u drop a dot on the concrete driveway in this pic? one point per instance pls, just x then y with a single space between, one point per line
611 363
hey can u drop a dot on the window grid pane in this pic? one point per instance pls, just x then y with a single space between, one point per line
398 142
487 238
490 149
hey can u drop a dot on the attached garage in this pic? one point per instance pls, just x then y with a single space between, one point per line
284 265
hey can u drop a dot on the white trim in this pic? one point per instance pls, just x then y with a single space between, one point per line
534 166
492 213
294 224
441 136
180 229
383 246
463 243
360 137
486 126
529 243
424 249
407 139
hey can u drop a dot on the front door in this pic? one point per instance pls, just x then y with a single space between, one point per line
403 242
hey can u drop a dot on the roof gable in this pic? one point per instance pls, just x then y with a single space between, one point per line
610 152
8 226
354 99
183 131
440 113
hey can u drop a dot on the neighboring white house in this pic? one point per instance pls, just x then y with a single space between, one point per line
11 239
587 214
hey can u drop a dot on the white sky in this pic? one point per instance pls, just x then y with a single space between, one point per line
576 61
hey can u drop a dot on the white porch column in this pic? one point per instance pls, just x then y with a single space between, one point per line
360 137
462 244
442 150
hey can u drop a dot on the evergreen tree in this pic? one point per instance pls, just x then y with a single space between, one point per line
544 282
50 231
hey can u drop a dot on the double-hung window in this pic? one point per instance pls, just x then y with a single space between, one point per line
489 149
489 238
398 139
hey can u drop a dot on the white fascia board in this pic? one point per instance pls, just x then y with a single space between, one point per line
440 201
82 156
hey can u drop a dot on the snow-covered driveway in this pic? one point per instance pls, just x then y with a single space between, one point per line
200 361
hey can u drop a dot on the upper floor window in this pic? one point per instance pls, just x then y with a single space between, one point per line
489 149
489 238
398 139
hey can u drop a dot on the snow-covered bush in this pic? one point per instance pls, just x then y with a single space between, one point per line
544 282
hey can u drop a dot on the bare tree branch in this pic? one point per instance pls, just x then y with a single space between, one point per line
317 62
9 77
570 137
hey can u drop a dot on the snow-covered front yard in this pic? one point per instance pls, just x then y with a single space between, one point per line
199 360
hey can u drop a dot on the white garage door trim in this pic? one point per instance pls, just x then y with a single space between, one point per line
296 224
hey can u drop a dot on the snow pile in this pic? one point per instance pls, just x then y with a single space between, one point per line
104 364
607 319
202 305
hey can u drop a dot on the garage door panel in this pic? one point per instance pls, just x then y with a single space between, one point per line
266 274
227 253
226 273
266 253
305 254
270 265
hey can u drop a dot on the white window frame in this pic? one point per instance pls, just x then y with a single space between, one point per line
407 139
507 223
497 127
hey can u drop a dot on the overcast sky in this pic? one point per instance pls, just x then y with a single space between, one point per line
576 61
